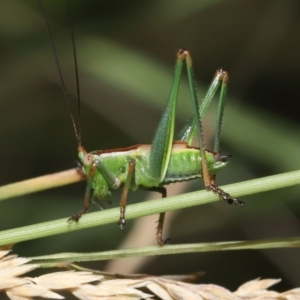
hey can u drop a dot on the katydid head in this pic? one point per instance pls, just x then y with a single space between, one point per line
85 158
88 159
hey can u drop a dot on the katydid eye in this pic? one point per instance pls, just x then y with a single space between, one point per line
88 159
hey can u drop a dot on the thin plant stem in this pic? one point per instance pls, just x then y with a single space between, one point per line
60 226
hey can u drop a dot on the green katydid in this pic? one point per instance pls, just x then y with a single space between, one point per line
166 160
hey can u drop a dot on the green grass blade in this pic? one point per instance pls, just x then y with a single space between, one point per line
60 226
50 260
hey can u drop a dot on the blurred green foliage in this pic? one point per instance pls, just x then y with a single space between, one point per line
126 52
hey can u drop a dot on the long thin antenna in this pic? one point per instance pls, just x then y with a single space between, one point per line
77 129
76 73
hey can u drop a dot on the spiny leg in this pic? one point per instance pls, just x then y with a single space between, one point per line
225 196
188 132
194 125
213 187
87 196
160 223
123 202
162 142
86 204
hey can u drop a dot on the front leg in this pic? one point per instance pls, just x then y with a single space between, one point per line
87 195
123 202
95 164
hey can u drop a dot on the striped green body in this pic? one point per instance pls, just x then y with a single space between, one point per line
184 164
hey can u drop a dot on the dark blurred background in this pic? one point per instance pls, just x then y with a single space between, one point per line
126 54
